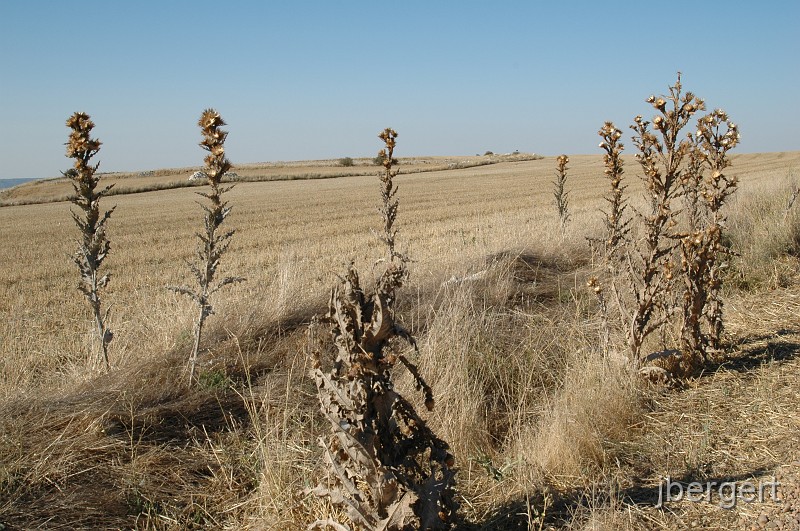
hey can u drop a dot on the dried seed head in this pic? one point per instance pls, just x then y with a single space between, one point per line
594 284
213 141
210 120
80 145
389 136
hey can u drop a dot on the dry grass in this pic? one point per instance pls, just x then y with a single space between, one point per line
512 354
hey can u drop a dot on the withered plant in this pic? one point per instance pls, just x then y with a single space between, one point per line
661 156
707 188
616 222
94 246
214 242
613 246
560 193
689 166
386 468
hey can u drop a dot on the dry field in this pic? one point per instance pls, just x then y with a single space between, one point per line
59 189
546 433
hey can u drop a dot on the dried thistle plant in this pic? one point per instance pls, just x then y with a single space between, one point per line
707 189
214 242
617 228
386 468
94 247
389 203
650 265
616 222
560 193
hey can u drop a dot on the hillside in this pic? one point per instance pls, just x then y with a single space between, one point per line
59 189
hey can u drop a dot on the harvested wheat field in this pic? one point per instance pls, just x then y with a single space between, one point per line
549 424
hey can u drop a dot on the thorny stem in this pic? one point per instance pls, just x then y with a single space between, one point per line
617 225
95 245
562 201
212 245
389 203
707 188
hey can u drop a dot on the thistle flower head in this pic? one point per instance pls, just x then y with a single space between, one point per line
213 142
80 144
389 137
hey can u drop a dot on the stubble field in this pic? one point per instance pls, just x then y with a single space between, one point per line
545 432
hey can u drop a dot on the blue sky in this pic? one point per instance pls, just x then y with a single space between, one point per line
301 80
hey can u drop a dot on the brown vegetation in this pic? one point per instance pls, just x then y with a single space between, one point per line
547 432
213 243
94 247
560 193
387 470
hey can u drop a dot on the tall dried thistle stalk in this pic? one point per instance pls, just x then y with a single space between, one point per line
214 242
386 468
707 189
560 193
691 167
94 247
617 225
650 262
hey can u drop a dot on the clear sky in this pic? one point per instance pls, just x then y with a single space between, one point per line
302 80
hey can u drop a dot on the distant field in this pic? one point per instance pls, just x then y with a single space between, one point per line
59 189
450 221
